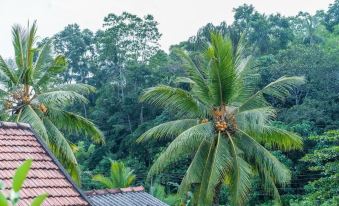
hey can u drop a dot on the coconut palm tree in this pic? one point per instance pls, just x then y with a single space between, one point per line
30 93
224 124
120 177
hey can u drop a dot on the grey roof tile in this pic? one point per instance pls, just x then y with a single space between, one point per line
136 197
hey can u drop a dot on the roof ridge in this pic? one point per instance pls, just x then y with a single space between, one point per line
20 125
115 191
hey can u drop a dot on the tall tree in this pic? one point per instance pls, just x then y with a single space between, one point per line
224 124
77 46
31 93
332 16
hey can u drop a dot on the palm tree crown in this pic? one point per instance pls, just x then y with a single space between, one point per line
120 177
224 123
30 93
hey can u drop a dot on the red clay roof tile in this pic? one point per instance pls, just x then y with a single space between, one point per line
18 143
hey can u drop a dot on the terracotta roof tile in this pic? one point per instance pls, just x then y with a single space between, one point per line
18 143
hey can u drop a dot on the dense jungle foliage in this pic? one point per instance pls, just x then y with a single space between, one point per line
124 58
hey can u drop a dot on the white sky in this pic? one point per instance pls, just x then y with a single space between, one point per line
178 19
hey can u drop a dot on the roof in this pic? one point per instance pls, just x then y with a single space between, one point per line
131 196
18 142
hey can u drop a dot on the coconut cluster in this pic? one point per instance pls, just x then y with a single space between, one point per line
224 119
221 126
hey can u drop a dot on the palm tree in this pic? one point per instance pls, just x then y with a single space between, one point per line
224 123
121 176
30 93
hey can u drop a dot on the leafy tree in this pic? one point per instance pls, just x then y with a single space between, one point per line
224 124
120 177
32 94
77 46
322 162
332 16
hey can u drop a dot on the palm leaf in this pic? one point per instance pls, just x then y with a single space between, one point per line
42 59
255 119
176 99
167 129
62 149
222 74
30 116
194 172
266 163
83 89
19 43
75 124
103 180
278 138
58 65
197 77
186 143
61 98
279 89
8 72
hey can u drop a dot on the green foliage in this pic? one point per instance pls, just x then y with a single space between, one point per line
20 175
158 191
217 94
120 176
18 180
123 58
32 95
323 160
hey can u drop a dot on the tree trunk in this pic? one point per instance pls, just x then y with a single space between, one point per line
129 123
142 114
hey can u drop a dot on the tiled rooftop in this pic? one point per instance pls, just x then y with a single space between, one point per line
131 196
18 143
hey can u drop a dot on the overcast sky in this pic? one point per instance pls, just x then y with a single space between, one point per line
178 19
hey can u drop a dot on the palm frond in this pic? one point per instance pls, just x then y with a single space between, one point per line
41 60
270 187
167 129
196 76
8 72
75 124
83 89
202 196
103 180
31 38
30 116
19 44
121 176
176 99
222 74
279 89
273 137
57 66
222 165
240 181
255 119
62 149
186 143
265 162
194 172
61 98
